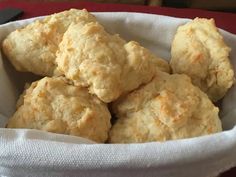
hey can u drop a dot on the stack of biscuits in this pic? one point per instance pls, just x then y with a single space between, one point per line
89 75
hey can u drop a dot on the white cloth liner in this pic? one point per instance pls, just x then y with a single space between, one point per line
35 153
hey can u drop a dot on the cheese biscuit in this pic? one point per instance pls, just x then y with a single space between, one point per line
199 50
54 105
33 48
106 64
167 108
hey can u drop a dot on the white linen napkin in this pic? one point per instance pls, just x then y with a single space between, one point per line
36 153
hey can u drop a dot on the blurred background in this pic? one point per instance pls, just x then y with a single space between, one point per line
216 5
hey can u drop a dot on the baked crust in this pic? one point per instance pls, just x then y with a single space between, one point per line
167 108
54 105
198 50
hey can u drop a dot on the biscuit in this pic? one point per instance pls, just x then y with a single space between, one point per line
198 50
33 48
52 104
106 64
167 108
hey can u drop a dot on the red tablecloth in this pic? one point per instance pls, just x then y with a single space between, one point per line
223 20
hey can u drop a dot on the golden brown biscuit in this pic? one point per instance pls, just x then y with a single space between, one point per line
33 48
52 104
198 50
20 100
167 108
106 64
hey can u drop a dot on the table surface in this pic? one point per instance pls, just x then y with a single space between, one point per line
225 21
